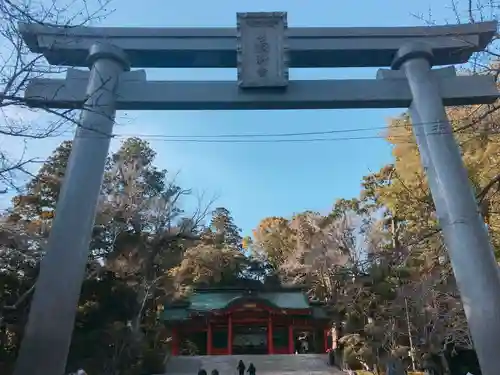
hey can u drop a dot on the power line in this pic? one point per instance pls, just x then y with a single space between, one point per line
261 135
217 138
241 135
400 139
247 138
299 140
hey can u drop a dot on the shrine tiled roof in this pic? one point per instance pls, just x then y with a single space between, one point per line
205 301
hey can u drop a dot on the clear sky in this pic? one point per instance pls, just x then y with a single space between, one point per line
255 180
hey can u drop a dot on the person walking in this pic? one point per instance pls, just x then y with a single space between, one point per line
331 357
241 368
251 369
215 372
202 372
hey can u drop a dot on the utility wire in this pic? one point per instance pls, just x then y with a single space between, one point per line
299 140
249 138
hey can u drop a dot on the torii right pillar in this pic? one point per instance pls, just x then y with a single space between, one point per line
465 233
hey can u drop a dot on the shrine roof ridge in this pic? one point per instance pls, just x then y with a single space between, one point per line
313 47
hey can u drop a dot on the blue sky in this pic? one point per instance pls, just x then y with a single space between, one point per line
256 180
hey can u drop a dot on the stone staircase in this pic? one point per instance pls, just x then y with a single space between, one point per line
311 364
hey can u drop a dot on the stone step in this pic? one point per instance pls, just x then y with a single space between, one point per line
332 371
315 364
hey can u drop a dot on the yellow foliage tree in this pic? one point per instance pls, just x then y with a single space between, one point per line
210 265
402 187
274 239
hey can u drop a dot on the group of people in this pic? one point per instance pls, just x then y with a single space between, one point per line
241 369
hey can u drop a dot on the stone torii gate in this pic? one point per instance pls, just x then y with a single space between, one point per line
263 49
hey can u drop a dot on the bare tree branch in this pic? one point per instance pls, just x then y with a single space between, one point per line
18 66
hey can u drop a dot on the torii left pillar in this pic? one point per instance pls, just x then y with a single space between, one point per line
47 337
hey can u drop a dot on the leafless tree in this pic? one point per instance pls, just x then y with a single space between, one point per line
486 62
18 123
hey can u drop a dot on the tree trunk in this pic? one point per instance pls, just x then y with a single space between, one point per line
142 296
444 364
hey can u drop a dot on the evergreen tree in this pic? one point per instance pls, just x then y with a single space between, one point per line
42 192
222 231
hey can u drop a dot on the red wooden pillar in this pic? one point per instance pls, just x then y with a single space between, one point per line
291 340
230 335
270 344
209 338
175 341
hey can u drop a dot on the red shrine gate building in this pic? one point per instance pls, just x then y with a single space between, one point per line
237 321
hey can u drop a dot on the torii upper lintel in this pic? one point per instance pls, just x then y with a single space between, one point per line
314 47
